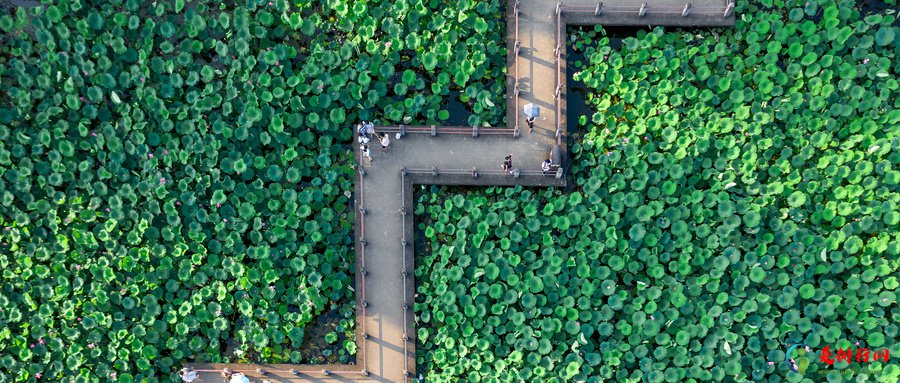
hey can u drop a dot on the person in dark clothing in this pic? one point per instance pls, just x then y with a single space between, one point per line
507 163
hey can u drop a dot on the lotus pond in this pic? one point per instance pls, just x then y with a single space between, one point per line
175 177
736 192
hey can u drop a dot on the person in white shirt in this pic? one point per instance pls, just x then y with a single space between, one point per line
366 152
385 141
545 166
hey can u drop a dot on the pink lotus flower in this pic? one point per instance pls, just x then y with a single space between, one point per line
277 63
41 341
771 363
113 375
652 318
84 71
162 180
225 220
81 98
68 220
263 224
32 345
91 346
166 151
79 319
866 61
38 375
857 343
107 210
387 44
177 203
248 81
807 348
151 155
272 288
218 205
7 228
78 267
93 134
626 139
608 153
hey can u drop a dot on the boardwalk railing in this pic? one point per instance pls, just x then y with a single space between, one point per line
560 48
362 259
435 130
641 9
516 64
475 172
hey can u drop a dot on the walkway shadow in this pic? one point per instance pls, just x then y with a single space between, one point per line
528 54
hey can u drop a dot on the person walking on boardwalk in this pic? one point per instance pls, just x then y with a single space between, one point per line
385 141
366 152
370 129
531 111
507 163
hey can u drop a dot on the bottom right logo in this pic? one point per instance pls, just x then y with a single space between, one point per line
797 357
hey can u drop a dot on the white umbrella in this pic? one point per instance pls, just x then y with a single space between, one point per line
532 110
239 378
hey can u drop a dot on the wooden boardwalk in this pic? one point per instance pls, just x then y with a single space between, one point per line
461 156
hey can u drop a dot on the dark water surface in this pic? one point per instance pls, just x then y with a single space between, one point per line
577 92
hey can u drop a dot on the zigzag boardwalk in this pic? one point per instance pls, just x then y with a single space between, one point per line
455 156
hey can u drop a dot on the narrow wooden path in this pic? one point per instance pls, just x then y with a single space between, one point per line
461 156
